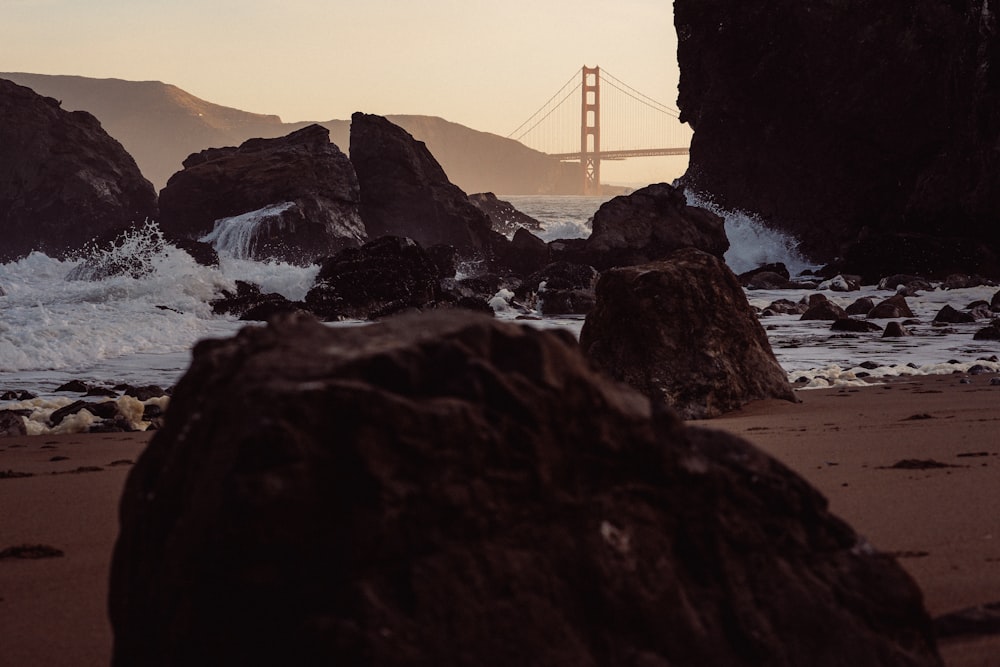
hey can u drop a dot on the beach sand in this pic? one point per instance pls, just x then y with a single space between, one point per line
942 522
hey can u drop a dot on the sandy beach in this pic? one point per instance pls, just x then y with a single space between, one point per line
936 511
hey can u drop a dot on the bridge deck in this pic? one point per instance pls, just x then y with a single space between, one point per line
621 155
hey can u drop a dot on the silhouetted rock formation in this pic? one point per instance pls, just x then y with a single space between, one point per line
645 226
681 331
848 118
384 276
63 180
404 191
293 198
452 490
503 216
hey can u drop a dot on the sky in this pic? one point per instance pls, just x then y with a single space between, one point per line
485 64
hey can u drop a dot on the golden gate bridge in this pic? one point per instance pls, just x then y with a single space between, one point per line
587 122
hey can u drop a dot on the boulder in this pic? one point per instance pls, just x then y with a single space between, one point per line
523 255
293 198
787 307
767 280
895 330
853 122
446 489
681 331
949 315
905 284
852 325
648 225
63 180
778 268
405 192
249 303
990 332
384 276
860 306
12 424
995 302
561 288
893 307
504 218
821 308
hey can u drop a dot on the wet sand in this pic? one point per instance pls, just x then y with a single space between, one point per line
941 522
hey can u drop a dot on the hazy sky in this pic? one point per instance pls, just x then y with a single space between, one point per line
485 64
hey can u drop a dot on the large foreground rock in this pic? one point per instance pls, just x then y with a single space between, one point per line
294 198
405 192
847 117
63 180
451 490
681 332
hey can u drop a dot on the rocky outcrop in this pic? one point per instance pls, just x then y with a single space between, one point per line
405 192
63 180
648 225
385 276
681 332
503 216
294 198
452 490
848 119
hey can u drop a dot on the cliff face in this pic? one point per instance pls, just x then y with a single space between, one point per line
827 118
160 125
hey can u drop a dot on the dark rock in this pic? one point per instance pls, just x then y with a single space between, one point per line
504 218
11 424
201 252
980 310
949 315
445 258
405 192
777 268
963 281
932 256
982 620
145 392
63 180
451 490
861 306
524 255
842 283
17 395
910 284
853 325
294 198
895 330
648 225
560 288
991 332
106 410
823 309
276 304
995 303
893 307
892 134
787 307
387 275
248 299
78 386
102 391
681 332
768 280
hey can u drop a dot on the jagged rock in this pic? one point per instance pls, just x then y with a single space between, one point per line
446 489
949 315
76 386
681 332
524 255
893 307
385 276
891 136
787 307
201 252
648 225
249 303
11 424
63 180
405 192
504 218
860 306
294 198
854 326
821 308
895 330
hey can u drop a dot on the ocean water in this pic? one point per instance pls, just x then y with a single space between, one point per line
140 330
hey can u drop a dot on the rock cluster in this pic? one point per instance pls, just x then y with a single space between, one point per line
63 180
448 489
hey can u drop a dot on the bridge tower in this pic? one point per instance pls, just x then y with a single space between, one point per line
590 131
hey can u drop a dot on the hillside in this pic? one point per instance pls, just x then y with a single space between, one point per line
160 125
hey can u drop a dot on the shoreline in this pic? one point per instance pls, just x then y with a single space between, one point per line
940 522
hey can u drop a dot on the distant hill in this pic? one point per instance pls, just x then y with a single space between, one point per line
160 125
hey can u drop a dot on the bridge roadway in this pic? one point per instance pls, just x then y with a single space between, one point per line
620 155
